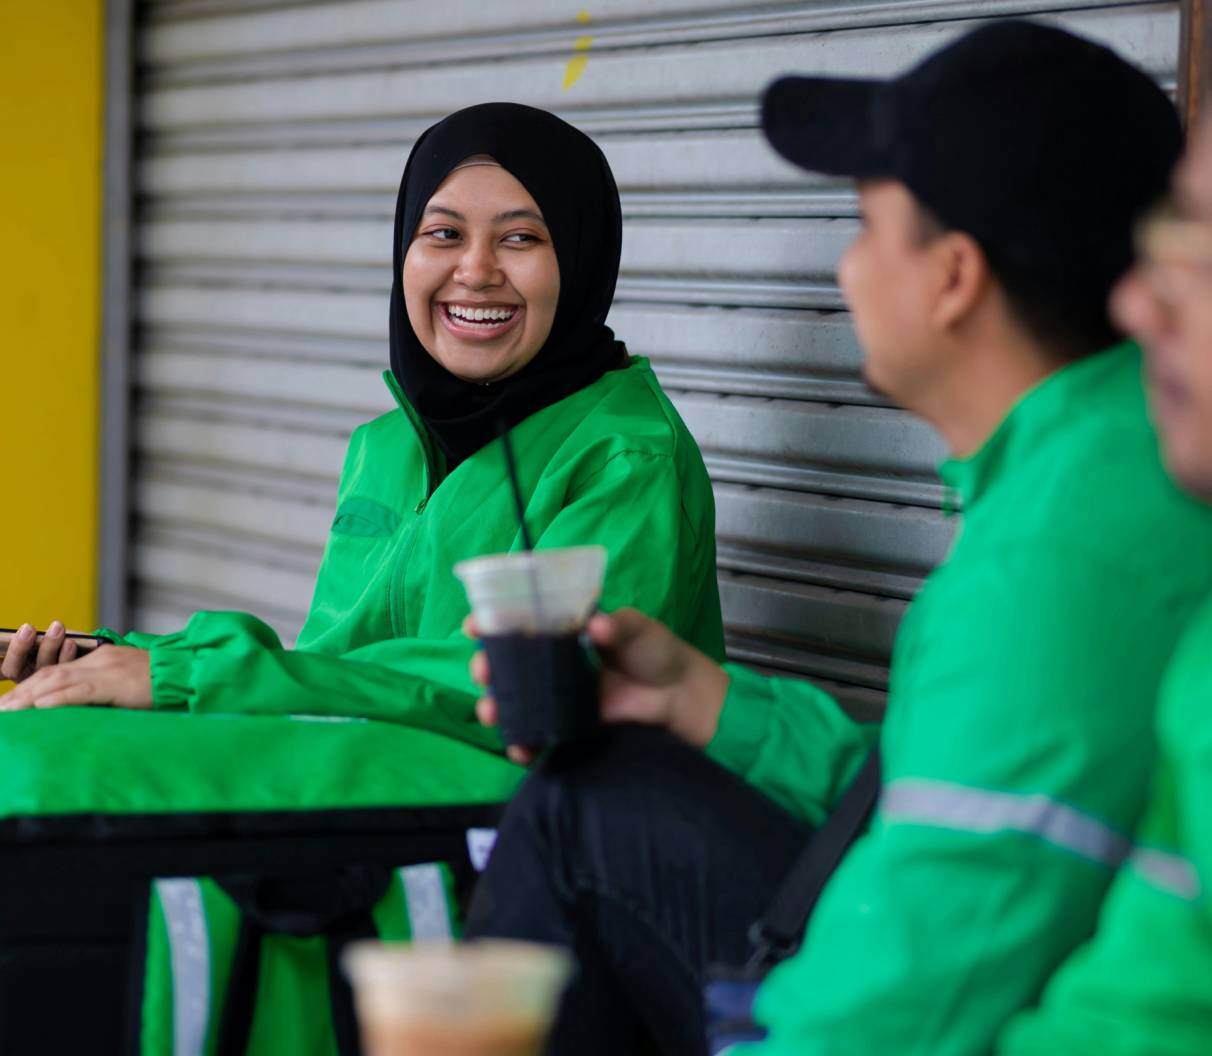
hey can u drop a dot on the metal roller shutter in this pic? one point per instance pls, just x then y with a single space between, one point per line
270 138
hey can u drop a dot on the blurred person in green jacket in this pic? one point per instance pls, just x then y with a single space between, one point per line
999 182
1143 985
507 241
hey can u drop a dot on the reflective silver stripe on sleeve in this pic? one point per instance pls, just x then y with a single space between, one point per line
189 956
979 810
425 899
1169 872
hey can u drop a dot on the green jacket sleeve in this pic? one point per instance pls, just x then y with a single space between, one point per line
790 740
998 828
232 662
132 639
659 560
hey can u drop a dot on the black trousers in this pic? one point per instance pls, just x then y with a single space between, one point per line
649 862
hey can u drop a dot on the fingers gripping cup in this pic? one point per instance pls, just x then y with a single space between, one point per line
487 998
531 608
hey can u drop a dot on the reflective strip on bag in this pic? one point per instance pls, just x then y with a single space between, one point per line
480 843
981 811
429 914
189 956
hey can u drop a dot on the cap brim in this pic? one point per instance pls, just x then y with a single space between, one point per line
827 125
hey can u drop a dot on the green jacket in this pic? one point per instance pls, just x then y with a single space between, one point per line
1143 985
612 464
1017 745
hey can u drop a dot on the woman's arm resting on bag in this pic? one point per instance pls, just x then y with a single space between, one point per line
116 675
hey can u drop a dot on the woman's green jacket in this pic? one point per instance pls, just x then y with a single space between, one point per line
612 464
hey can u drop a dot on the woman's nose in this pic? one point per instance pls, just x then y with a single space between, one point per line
478 267
1137 308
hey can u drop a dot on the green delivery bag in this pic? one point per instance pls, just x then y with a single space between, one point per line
215 927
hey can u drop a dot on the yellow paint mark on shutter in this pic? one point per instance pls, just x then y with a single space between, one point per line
576 65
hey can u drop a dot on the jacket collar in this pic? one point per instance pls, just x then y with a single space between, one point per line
435 461
1037 422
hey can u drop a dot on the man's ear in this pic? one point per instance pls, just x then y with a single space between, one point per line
964 279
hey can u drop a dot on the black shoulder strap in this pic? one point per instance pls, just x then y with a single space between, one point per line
340 993
778 932
240 1001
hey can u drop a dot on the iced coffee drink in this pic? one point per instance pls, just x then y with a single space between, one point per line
487 998
531 608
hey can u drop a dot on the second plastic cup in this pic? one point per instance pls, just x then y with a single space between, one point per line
531 608
486 998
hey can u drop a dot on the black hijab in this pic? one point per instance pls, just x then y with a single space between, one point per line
570 180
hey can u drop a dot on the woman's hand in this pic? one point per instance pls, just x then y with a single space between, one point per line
113 674
25 654
649 675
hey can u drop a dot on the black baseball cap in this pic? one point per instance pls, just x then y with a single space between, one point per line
1042 145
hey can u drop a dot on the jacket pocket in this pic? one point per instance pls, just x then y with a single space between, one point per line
364 517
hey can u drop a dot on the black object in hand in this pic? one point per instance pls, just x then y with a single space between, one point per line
545 686
85 643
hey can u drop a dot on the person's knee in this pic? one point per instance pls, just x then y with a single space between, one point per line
595 778
624 752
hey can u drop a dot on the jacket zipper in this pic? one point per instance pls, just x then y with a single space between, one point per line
423 438
429 457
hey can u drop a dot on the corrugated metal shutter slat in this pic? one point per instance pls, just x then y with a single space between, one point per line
271 140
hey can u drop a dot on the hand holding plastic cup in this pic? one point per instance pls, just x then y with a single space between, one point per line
485 998
531 609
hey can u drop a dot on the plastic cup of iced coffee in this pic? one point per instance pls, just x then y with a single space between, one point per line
531 608
486 998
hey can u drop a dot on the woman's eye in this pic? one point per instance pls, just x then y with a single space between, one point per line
444 234
520 238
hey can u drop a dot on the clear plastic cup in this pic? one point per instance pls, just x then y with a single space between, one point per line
485 998
535 591
531 609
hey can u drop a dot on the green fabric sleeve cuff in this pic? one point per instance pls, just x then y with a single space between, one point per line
133 639
744 721
172 666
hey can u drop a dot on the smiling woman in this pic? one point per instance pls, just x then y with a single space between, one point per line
506 252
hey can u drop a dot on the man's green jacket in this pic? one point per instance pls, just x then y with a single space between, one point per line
1143 985
1018 743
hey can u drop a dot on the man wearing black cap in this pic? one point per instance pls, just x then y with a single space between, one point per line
999 182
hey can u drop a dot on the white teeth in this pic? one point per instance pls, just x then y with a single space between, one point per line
480 315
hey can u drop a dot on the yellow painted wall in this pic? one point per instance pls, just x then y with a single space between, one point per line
51 69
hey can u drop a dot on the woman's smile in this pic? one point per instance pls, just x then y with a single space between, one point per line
471 321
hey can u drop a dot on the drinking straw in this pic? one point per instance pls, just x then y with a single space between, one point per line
511 467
